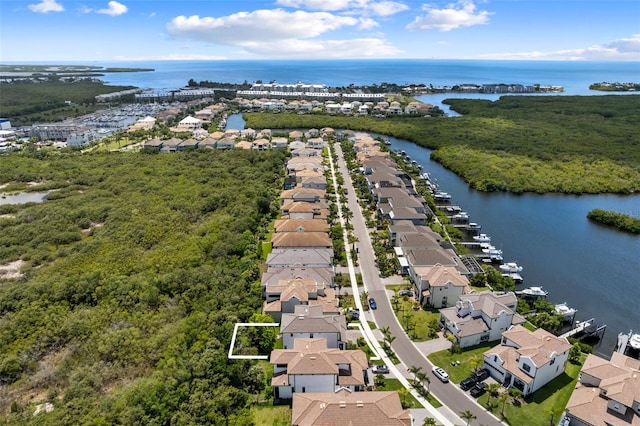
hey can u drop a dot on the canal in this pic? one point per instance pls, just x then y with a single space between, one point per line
593 268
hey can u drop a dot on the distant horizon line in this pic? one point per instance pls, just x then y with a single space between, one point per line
82 61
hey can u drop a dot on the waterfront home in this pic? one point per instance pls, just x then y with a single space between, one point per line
480 317
437 286
297 144
608 392
403 228
244 145
527 360
310 366
349 408
309 322
316 143
187 124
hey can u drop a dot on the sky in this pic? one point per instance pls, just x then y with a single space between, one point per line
141 30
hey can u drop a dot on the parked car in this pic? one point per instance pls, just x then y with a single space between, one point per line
354 313
440 374
482 374
478 389
380 369
372 303
468 383
405 293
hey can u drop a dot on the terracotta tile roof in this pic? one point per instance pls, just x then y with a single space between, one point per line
301 239
296 225
349 408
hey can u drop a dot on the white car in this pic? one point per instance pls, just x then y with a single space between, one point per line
440 374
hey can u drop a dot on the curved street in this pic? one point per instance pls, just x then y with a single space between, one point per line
453 399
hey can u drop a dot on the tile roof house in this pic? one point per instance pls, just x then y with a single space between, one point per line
324 276
301 239
304 210
608 392
315 182
284 295
480 317
312 367
438 285
527 360
344 407
309 195
300 258
309 322
301 225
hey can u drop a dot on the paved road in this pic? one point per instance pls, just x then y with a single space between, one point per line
449 394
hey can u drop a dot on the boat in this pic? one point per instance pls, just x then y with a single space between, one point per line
491 250
567 312
441 196
482 238
533 292
510 267
514 276
634 341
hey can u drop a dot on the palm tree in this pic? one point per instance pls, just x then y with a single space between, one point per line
468 416
503 398
414 370
364 297
423 377
403 392
475 363
552 412
429 421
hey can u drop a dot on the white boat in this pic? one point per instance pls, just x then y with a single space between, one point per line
514 276
510 267
491 250
442 196
634 341
483 238
566 311
533 292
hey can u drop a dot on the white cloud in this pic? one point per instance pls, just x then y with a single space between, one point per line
368 7
46 6
324 49
279 33
624 49
114 9
259 25
456 15
83 9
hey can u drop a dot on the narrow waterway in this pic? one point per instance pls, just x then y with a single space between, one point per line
594 269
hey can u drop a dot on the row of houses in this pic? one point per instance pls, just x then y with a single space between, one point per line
523 359
334 106
314 369
262 140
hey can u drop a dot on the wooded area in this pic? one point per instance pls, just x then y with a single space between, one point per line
568 144
135 270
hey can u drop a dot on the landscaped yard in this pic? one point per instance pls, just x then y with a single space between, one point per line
408 401
460 371
533 411
417 321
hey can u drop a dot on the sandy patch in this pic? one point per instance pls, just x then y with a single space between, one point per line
11 270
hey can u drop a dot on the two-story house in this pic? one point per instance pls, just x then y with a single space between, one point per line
527 360
310 322
310 366
608 392
480 317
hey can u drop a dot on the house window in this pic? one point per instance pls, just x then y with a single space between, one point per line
526 367
311 336
495 358
553 361
304 389
616 406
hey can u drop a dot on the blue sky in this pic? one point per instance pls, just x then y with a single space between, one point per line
129 30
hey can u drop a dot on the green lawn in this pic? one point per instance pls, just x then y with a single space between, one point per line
535 410
416 320
279 415
395 385
459 372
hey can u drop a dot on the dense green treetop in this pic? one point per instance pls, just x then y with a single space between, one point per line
135 270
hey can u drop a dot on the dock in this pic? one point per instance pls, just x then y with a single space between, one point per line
585 327
623 341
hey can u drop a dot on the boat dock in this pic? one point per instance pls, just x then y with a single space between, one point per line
623 342
588 328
